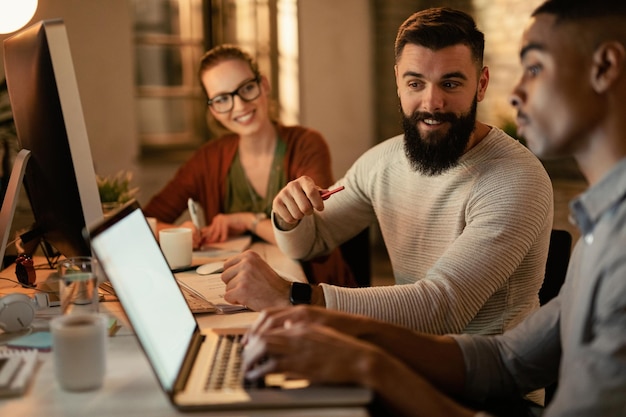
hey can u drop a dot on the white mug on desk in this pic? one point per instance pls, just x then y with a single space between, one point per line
177 246
79 350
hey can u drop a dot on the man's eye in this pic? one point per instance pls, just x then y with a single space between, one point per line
449 84
533 70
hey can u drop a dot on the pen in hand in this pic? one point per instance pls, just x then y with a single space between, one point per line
328 193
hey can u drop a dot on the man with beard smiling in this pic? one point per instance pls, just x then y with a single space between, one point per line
464 209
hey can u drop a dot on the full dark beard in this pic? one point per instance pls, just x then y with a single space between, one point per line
435 153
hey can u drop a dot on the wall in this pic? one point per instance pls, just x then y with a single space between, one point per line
503 22
336 75
100 37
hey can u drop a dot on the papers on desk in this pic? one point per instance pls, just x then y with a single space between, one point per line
222 250
16 370
210 287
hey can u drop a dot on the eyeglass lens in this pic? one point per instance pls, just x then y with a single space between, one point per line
247 92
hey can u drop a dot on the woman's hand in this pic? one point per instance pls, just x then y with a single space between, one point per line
224 226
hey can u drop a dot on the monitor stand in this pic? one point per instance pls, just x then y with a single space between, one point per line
8 210
10 198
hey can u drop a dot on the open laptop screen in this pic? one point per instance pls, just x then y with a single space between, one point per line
132 260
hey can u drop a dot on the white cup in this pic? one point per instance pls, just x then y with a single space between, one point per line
79 350
152 221
177 246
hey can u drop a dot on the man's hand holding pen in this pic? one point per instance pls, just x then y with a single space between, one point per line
297 199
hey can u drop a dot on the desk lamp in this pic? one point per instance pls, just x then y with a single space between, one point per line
14 14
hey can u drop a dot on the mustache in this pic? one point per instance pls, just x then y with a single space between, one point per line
418 116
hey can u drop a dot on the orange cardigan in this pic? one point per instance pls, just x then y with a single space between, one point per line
203 178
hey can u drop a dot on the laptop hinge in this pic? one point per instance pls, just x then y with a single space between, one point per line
194 347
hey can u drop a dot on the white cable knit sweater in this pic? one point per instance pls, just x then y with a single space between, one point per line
468 248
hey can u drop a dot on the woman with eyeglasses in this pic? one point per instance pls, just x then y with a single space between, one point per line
236 176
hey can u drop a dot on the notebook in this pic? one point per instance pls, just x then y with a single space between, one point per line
180 353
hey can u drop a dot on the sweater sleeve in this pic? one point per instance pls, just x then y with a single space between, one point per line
202 178
169 203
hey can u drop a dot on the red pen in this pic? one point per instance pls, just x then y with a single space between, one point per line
328 193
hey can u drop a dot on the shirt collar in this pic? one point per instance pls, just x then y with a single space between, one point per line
589 207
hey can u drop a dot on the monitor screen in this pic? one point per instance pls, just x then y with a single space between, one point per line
59 178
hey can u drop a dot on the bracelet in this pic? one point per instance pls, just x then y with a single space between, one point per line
257 218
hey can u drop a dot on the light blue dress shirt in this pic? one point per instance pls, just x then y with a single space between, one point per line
579 335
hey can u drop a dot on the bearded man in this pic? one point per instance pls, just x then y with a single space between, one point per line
465 210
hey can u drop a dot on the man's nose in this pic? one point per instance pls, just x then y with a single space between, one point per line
432 99
517 95
515 101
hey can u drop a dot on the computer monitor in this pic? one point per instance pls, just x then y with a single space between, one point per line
58 173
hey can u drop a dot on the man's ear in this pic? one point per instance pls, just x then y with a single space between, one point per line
395 72
483 82
608 65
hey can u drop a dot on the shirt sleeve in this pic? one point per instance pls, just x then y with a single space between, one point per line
519 361
592 379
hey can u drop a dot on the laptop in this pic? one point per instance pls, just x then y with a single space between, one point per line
182 355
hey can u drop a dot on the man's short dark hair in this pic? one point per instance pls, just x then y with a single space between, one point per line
580 9
438 28
598 20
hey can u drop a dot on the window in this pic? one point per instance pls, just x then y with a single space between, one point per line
169 41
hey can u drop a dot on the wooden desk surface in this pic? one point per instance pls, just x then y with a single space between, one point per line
130 387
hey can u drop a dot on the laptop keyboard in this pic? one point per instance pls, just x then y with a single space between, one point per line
226 371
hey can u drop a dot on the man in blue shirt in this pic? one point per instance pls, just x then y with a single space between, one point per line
570 100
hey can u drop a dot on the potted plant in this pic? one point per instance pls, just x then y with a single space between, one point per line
115 190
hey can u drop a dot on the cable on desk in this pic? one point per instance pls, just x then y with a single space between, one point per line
30 287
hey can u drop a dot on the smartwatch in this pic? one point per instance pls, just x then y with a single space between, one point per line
300 293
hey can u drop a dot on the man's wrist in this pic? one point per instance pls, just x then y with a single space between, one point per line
283 225
317 296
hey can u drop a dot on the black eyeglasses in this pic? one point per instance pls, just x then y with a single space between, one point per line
248 91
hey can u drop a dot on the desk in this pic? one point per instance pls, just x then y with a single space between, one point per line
130 387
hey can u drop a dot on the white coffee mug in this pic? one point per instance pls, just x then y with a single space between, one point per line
79 350
177 246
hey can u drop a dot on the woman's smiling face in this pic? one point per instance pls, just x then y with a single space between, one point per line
246 117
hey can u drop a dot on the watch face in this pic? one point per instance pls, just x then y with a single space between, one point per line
300 293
